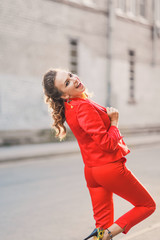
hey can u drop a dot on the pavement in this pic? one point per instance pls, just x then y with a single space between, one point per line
39 195
22 152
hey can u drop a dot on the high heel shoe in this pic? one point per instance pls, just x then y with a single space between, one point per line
98 232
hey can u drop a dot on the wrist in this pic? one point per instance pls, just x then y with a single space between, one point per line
114 123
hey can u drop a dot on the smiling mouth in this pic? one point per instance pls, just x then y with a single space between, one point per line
79 85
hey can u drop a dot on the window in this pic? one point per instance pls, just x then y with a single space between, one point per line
121 4
75 1
136 10
74 56
142 8
157 9
132 4
89 3
0 103
131 76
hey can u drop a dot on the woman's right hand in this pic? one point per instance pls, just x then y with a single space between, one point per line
113 115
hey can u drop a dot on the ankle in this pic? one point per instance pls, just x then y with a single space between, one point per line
107 235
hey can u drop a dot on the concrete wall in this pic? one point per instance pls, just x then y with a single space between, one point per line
35 35
135 34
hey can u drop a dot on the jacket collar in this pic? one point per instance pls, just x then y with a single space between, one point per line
76 98
70 99
84 99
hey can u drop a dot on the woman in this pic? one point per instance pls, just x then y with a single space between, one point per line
103 151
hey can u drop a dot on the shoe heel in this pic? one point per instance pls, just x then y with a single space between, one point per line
94 233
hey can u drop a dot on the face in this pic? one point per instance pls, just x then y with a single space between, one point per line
69 84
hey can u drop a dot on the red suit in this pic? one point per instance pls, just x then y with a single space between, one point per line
103 151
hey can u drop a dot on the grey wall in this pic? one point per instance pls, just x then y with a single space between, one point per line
34 36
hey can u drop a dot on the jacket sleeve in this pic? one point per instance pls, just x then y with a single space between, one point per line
91 122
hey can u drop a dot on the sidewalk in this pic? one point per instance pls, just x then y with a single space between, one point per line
21 152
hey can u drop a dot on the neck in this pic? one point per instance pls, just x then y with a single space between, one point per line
83 95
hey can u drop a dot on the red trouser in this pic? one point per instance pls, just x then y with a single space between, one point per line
111 178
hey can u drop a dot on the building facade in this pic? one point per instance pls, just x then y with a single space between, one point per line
112 45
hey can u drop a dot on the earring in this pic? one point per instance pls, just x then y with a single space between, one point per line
68 101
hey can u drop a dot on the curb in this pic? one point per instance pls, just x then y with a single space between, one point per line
23 152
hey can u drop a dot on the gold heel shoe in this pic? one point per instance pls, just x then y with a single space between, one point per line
97 234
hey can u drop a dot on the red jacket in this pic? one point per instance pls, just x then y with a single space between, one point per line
99 142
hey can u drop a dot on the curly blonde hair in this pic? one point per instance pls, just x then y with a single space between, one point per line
52 97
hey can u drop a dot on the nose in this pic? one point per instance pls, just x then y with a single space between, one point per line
75 80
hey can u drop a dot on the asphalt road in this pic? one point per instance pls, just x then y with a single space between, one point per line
47 199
